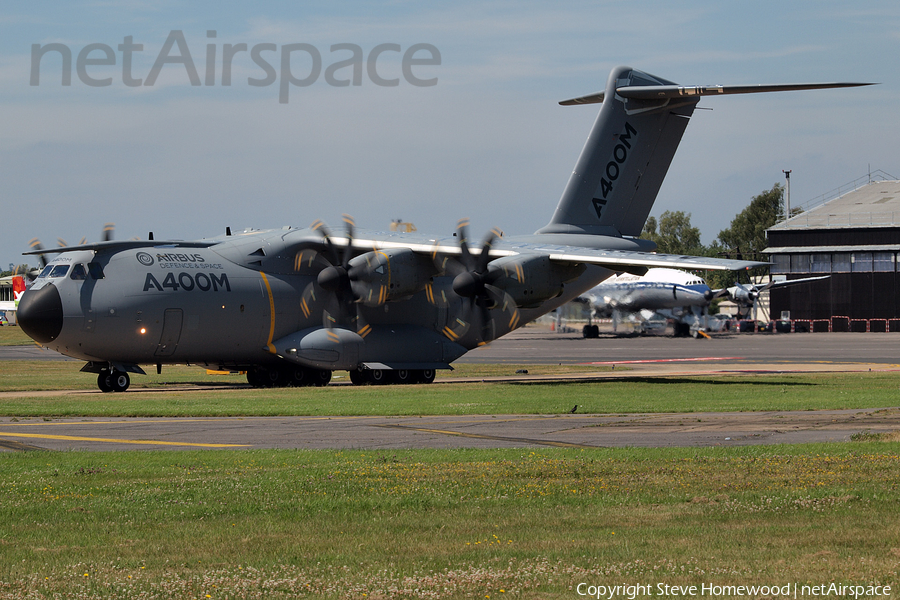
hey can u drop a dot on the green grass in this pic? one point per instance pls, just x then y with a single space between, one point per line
443 524
10 335
228 396
448 524
32 375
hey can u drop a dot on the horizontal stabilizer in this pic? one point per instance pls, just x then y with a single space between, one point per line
657 92
649 92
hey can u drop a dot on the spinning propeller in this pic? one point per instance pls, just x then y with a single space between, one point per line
747 296
335 281
36 245
474 282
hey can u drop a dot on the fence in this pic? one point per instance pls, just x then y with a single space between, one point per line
834 324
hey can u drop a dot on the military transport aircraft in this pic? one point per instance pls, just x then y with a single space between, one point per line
289 306
670 294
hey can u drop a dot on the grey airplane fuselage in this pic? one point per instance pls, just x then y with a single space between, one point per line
158 305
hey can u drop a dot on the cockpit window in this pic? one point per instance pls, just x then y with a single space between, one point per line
78 273
96 270
59 271
45 271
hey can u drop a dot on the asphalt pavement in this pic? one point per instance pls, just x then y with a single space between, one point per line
644 356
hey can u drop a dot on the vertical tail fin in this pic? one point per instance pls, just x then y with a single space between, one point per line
630 147
624 160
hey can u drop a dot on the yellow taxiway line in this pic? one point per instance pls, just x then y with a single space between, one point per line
116 441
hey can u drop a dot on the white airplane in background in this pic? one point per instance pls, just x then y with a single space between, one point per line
658 294
670 294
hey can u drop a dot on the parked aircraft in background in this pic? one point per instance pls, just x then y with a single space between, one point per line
670 295
289 306
746 295
659 294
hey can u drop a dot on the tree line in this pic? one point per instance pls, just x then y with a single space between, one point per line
744 239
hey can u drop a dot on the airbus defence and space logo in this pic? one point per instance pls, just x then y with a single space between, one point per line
179 271
614 167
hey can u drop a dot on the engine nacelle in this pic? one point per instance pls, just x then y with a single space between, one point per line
532 280
743 295
386 275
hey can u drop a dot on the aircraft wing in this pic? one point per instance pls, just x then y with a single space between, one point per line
620 260
616 260
788 282
126 245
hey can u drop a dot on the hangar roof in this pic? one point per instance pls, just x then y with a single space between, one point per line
876 204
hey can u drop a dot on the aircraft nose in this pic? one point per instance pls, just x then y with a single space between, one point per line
40 314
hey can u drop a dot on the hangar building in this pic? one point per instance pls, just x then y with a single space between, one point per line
855 239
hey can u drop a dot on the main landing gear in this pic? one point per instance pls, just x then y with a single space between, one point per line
385 376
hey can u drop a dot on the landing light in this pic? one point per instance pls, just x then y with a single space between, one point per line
143 330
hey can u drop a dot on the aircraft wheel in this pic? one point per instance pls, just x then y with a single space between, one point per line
253 377
271 377
103 382
377 376
358 377
425 376
595 331
299 377
586 331
404 376
321 377
118 381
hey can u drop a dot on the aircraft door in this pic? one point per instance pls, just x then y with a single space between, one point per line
171 332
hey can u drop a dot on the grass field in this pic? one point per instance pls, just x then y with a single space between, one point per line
227 395
11 335
444 524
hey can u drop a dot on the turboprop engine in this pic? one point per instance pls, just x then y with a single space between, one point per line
531 280
387 275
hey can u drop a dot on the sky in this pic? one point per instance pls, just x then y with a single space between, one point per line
485 139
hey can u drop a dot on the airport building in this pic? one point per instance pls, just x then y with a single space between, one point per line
855 239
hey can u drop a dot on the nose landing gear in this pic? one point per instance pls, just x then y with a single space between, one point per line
113 381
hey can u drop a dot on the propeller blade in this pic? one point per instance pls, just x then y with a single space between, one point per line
36 244
108 230
485 256
333 278
506 305
308 300
348 249
320 226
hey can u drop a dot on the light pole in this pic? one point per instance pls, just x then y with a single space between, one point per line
787 194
